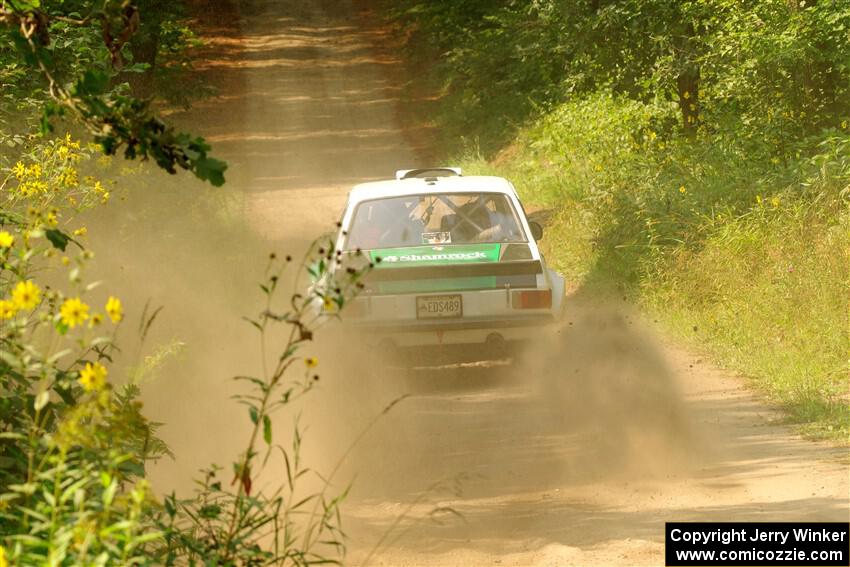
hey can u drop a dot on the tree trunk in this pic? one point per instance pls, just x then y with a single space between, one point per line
688 87
144 45
688 79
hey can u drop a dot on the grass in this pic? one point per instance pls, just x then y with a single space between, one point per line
746 259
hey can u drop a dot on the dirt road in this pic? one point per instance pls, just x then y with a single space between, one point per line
577 455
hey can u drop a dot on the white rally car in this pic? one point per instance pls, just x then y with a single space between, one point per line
459 263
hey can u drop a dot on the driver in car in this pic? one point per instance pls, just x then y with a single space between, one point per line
401 229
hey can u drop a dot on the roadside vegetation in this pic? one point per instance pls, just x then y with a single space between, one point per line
693 156
75 444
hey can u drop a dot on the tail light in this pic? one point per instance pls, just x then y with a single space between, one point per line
532 299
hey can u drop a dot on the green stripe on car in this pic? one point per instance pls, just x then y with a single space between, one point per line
436 255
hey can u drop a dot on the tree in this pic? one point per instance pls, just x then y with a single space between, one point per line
82 85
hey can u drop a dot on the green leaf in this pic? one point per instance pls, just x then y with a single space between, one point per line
170 505
61 328
267 429
210 511
56 356
58 238
41 400
10 359
93 82
210 169
252 411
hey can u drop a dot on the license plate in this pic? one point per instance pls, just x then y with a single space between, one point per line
439 306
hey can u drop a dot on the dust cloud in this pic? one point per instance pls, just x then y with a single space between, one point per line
591 402
605 380
180 251
593 398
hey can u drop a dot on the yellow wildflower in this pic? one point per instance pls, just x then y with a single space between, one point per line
65 260
6 239
52 218
682 190
7 309
19 170
34 171
329 304
32 187
71 143
70 177
758 199
311 361
93 377
686 95
25 189
63 152
96 320
844 124
26 295
105 197
74 312
82 231
3 561
98 187
774 201
114 309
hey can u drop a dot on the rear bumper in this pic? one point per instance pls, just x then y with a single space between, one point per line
460 331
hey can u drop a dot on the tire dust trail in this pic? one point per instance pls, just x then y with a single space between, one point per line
575 454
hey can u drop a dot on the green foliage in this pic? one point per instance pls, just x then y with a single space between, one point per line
74 443
73 448
63 59
172 77
766 70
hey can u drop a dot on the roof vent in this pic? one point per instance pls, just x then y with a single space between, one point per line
428 172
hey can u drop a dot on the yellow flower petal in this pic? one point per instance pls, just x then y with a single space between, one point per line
93 377
114 309
26 295
7 309
74 312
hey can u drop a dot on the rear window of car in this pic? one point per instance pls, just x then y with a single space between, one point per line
438 219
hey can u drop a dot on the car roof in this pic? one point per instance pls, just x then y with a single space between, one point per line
430 185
